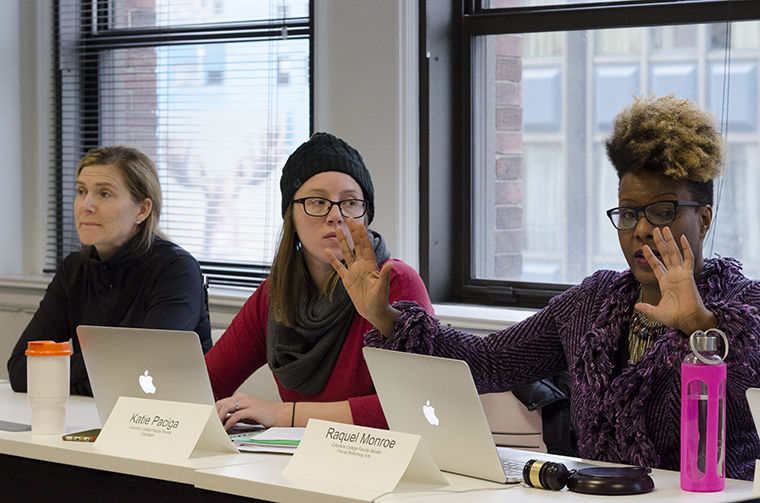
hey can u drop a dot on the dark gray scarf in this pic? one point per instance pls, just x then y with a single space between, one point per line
302 357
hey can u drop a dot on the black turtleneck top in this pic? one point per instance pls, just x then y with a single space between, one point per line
162 288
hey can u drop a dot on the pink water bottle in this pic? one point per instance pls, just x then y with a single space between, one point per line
703 414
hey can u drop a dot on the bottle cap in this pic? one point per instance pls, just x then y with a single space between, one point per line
705 342
47 348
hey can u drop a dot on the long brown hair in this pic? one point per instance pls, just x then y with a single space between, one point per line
289 279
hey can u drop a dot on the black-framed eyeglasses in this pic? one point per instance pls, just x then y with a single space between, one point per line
320 206
658 213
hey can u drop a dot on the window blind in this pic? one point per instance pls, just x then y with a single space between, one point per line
216 92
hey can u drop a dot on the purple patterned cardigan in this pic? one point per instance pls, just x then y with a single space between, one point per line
632 418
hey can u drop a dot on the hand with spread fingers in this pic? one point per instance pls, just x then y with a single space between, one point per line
242 408
367 286
680 304
327 194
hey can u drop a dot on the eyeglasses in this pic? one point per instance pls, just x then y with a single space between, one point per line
319 206
625 218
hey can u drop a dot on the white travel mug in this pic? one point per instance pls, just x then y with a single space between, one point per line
47 385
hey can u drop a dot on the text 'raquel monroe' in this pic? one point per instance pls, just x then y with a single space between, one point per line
364 438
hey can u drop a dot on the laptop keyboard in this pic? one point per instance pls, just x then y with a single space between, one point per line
513 469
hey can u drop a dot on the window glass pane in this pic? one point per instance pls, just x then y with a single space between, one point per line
670 38
549 175
605 252
619 41
737 36
536 45
151 13
226 121
543 213
218 116
220 121
734 231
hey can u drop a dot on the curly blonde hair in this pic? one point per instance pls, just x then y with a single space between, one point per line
670 136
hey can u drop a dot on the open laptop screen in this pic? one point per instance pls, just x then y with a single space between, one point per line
437 399
143 363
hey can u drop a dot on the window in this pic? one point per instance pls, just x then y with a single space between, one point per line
217 93
535 87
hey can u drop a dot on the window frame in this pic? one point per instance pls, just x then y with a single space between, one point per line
231 274
446 126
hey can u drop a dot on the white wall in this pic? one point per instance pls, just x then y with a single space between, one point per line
25 99
11 189
366 92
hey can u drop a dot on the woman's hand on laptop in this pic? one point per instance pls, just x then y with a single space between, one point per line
242 408
367 286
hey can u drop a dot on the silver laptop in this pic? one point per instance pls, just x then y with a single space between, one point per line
144 363
437 399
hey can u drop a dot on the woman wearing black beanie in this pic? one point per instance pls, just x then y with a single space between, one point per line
300 321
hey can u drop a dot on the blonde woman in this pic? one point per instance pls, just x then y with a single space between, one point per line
126 273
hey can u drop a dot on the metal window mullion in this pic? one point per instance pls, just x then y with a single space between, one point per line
289 24
58 171
128 43
597 16
463 251
203 32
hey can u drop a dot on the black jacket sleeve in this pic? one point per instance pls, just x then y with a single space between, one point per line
50 322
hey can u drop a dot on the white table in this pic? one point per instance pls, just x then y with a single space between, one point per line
81 414
224 477
266 481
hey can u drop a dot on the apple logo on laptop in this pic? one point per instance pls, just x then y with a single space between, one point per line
429 412
146 383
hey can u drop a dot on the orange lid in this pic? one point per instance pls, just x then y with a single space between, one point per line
47 348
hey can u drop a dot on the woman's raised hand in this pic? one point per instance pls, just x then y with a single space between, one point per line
680 304
367 286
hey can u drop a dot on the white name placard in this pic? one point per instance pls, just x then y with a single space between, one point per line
363 457
162 430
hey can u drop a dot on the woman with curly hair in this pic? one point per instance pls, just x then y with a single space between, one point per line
620 335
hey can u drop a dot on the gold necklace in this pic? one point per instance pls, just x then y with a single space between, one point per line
642 332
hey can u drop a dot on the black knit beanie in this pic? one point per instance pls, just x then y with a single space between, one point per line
324 152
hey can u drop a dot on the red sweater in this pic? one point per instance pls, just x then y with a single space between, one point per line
242 349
